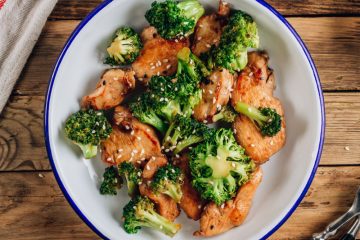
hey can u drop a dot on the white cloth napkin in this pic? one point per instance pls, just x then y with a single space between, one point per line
21 22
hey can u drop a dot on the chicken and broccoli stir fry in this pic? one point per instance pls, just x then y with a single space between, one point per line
185 119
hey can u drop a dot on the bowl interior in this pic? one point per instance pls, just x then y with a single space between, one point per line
286 175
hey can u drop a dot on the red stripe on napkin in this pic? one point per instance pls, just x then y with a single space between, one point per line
2 3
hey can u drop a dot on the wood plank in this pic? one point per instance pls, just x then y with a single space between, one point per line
72 9
32 206
333 42
22 145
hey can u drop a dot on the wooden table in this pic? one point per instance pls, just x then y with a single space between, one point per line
31 203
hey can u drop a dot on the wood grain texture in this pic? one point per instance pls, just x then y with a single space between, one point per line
73 9
33 207
22 146
333 42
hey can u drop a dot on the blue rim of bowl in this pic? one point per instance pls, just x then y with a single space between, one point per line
58 63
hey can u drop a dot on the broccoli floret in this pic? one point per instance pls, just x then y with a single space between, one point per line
240 33
112 181
184 132
145 109
168 180
140 212
132 175
267 119
219 166
226 114
124 48
87 128
174 19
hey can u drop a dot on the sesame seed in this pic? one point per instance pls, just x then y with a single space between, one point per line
210 91
347 148
167 150
148 129
152 68
108 159
159 63
147 167
214 100
158 73
199 38
215 41
132 132
190 148
271 142
161 99
252 145
93 131
251 74
139 173
176 40
119 156
153 158
142 151
166 60
140 182
142 159
135 151
132 154
140 79
168 66
249 109
162 148
200 25
235 132
205 121
223 205
233 165
152 64
162 89
115 78
208 45
177 155
41 175
97 123
138 138
199 206
127 127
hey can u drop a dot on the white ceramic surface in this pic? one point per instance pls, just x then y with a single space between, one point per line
286 176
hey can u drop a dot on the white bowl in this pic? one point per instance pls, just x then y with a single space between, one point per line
288 174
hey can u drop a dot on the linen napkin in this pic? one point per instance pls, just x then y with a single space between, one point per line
21 22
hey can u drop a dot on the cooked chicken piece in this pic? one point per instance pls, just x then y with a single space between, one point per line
207 33
218 219
224 9
191 202
255 86
215 95
130 140
255 80
165 205
260 148
158 57
208 30
153 165
111 89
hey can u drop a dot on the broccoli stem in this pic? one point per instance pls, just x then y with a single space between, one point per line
89 151
156 122
154 220
251 112
187 142
218 117
132 187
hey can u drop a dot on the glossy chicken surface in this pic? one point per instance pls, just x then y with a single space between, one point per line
218 219
215 95
191 202
110 90
158 56
130 140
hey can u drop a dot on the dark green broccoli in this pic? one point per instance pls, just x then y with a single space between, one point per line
87 128
168 180
240 33
267 119
174 19
219 166
184 132
124 48
111 182
226 114
145 109
140 212
132 175
169 96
